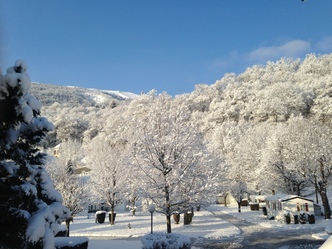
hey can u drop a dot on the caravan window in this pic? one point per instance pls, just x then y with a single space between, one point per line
274 206
304 207
279 206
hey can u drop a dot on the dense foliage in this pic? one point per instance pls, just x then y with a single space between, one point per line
31 208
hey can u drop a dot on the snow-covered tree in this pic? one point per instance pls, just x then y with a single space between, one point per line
307 149
71 128
72 187
277 174
171 160
299 155
30 206
278 102
246 157
238 189
109 170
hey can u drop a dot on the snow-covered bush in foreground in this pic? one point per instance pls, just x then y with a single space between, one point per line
165 241
30 206
71 242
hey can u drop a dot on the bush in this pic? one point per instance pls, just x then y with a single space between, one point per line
254 206
61 233
100 217
176 218
71 242
311 218
287 218
165 241
296 219
303 218
280 217
110 217
187 218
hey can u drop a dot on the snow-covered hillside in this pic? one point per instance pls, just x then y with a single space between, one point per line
119 94
49 94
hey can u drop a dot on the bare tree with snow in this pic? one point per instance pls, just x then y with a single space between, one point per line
109 170
171 159
306 148
72 187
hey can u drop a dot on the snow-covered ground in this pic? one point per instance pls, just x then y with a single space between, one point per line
205 225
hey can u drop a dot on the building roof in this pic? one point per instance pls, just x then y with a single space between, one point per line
57 146
81 170
284 197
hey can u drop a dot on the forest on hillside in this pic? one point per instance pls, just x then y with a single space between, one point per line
268 128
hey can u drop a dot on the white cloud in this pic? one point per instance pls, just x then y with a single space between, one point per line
218 63
325 44
235 61
294 48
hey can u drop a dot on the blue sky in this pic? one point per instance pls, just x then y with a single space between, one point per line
139 45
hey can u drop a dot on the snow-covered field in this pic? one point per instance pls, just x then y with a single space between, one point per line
205 224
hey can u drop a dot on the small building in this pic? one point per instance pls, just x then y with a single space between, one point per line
82 171
103 206
226 199
56 150
98 206
276 204
259 198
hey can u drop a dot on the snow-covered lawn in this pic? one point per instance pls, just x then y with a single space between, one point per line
205 224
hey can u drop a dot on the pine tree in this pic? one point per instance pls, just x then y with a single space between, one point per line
30 207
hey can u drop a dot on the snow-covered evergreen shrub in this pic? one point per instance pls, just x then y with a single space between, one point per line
282 216
100 216
30 206
71 243
166 241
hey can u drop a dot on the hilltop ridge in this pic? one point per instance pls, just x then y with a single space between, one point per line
47 94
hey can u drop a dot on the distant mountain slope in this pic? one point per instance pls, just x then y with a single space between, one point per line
48 94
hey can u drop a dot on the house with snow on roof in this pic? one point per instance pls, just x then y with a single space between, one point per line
276 204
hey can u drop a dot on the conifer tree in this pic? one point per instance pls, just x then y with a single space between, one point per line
30 207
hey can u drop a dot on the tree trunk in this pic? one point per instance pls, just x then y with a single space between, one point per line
239 206
168 221
68 225
322 189
112 207
298 191
168 211
326 205
112 217
316 190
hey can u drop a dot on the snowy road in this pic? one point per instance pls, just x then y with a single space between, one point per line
255 236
